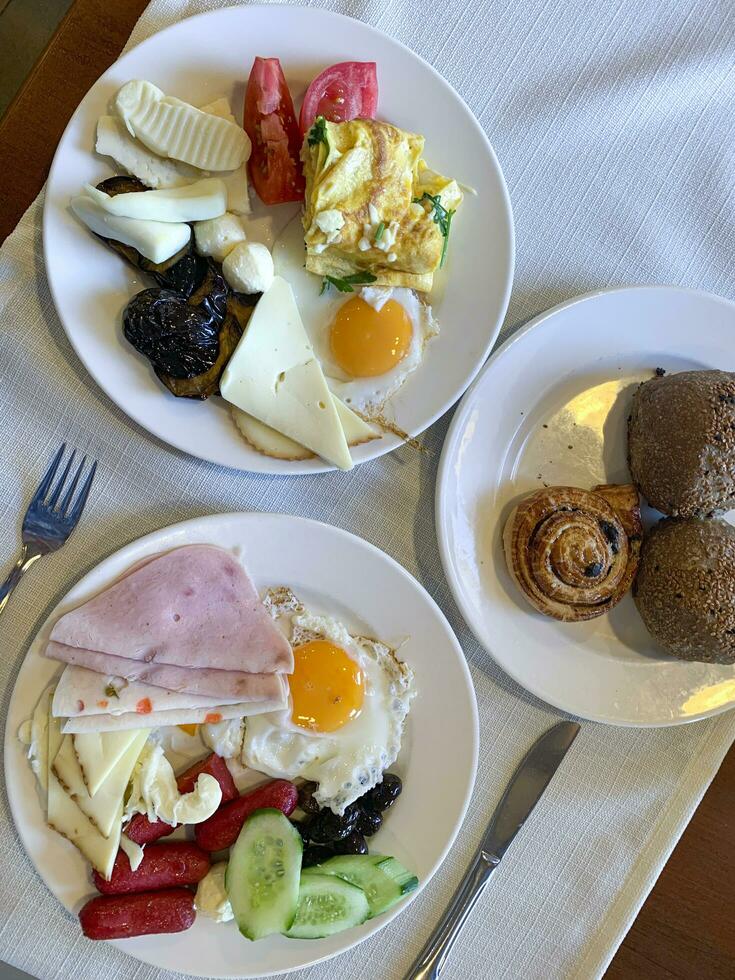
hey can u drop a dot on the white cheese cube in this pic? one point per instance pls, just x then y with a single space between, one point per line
249 268
218 236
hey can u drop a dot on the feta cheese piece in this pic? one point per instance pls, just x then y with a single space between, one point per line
113 140
329 221
218 236
211 897
249 268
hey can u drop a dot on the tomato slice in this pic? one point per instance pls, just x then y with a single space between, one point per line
345 91
270 122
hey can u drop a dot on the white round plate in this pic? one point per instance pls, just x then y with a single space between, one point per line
551 408
336 573
210 55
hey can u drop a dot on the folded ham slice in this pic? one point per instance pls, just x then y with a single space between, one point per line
203 681
194 607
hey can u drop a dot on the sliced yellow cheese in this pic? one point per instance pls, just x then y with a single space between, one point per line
99 752
275 377
65 817
271 443
103 808
236 181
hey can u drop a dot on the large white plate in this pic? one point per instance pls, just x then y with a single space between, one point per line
551 407
210 55
337 573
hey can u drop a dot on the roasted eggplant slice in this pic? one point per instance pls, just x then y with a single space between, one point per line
206 384
178 338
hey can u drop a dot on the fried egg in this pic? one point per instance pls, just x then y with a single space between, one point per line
369 341
349 699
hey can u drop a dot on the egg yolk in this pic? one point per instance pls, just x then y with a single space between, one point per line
327 687
366 342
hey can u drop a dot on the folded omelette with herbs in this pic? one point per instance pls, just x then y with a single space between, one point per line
372 205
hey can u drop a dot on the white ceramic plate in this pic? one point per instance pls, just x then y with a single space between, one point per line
210 55
551 407
333 572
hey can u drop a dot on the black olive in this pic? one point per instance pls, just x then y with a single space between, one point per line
303 828
327 826
306 798
315 855
180 339
369 822
353 843
385 794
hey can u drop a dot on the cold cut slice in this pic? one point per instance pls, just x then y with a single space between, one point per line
195 606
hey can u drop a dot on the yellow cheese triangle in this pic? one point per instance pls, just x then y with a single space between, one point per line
275 377
102 808
99 752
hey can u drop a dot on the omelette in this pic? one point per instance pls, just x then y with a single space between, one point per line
372 205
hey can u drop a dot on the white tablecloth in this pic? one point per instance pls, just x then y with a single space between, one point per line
613 122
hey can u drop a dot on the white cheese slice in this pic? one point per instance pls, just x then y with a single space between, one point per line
157 240
236 181
275 376
198 201
113 140
175 129
99 752
104 807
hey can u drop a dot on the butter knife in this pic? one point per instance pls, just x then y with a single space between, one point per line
522 794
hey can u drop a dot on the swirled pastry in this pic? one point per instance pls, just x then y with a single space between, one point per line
574 553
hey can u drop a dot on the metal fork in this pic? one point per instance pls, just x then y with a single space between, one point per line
50 518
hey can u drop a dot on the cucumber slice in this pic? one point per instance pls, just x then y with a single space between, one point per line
383 879
327 904
262 879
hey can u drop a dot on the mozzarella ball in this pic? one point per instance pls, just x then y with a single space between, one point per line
249 268
218 236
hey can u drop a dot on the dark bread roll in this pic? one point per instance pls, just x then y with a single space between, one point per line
681 442
685 588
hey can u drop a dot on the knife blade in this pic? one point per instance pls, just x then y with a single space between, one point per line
521 795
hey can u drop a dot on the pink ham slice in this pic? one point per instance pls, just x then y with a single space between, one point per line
205 681
195 607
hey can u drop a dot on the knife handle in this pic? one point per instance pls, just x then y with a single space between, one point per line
430 961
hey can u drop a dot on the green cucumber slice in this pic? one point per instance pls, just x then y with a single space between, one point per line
383 879
327 904
262 878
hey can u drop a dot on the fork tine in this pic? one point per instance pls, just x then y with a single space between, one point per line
48 476
51 502
76 511
67 498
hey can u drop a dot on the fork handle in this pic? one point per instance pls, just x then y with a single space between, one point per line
19 569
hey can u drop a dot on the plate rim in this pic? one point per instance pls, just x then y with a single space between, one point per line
441 505
389 441
199 525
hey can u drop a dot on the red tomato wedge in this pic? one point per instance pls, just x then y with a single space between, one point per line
270 122
345 91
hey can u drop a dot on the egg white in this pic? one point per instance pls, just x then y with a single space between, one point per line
348 762
318 310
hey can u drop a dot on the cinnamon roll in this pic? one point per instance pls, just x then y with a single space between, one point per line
574 553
